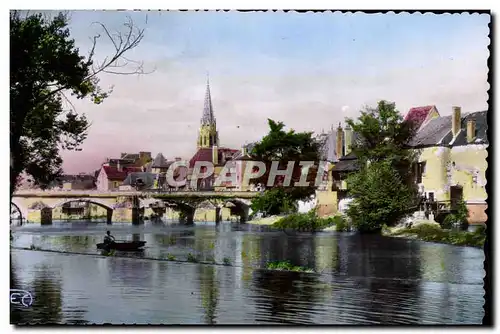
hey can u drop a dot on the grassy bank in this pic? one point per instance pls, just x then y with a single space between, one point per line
265 221
310 222
304 222
434 233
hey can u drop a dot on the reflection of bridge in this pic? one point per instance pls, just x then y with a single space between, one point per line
129 205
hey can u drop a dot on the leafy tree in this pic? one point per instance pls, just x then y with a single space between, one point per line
383 189
285 146
45 68
379 196
384 136
274 202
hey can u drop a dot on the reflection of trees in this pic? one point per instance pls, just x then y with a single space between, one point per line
387 272
326 253
47 300
299 250
75 242
209 291
287 297
15 313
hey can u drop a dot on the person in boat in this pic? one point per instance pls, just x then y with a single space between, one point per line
108 238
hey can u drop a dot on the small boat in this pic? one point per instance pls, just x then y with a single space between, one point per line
122 245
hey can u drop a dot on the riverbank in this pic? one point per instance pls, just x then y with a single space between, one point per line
304 222
265 221
432 232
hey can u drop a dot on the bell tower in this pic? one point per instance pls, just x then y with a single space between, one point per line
208 135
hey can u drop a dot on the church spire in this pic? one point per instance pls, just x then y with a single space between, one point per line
208 112
208 135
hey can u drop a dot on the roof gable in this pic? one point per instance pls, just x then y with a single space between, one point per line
418 115
160 161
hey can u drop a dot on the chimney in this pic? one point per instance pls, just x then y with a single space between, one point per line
118 166
243 150
456 121
178 158
339 143
347 140
215 155
471 130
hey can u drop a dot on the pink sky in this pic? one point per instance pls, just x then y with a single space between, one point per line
267 67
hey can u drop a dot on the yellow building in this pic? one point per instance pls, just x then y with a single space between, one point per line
452 162
452 158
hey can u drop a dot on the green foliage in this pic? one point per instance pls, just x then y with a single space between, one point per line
284 147
287 266
46 67
191 258
170 257
460 217
309 222
342 225
382 189
384 136
226 261
274 202
433 233
379 197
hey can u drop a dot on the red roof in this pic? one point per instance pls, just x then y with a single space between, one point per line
418 115
205 154
115 175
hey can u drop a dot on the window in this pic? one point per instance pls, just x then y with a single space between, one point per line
423 166
420 171
431 196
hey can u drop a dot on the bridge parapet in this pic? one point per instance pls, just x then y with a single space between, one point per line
144 194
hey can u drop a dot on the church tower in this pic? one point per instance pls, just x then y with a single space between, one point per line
208 135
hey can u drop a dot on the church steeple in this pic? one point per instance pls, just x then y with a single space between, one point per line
208 134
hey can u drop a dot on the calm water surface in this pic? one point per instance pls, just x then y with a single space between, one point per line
360 279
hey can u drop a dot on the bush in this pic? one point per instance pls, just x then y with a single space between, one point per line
286 265
274 202
304 222
449 221
191 258
341 223
379 197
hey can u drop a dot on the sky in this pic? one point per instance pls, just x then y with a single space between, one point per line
308 70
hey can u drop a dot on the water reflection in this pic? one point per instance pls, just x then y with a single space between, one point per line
359 279
209 292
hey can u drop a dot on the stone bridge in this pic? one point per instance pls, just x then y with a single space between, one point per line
129 206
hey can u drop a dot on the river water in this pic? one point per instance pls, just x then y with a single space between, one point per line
358 280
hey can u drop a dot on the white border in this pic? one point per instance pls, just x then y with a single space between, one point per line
185 4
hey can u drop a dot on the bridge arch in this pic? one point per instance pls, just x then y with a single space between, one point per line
19 205
96 201
240 207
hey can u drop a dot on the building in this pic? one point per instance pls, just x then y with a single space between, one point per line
208 149
452 162
114 171
80 181
208 135
452 159
111 177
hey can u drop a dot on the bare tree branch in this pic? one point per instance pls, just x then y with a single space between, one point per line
122 42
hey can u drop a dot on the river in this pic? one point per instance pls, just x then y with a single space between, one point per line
358 280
